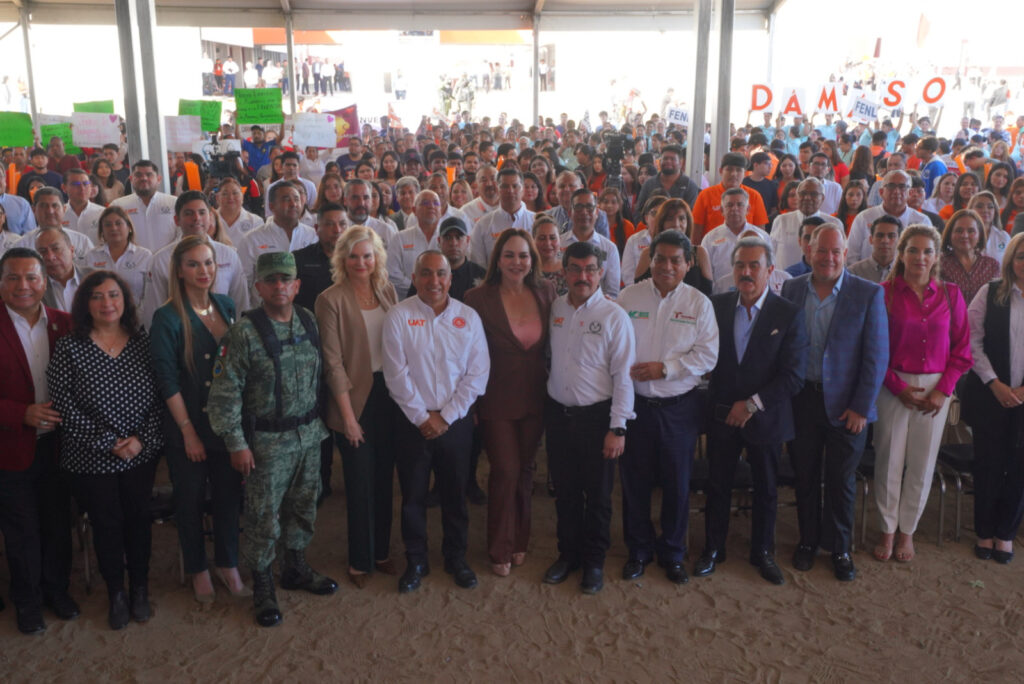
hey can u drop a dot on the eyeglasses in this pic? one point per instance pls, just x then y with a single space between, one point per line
577 270
896 187
584 207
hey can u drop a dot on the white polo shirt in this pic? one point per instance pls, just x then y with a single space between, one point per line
611 282
132 266
87 223
719 244
270 237
403 248
153 223
489 228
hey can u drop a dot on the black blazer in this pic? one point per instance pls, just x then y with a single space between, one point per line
773 365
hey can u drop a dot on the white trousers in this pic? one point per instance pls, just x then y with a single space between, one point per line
906 448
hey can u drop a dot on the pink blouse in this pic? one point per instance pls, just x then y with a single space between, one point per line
927 336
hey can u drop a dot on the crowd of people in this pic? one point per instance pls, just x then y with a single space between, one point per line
425 297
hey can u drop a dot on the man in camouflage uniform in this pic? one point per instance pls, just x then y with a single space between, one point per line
264 404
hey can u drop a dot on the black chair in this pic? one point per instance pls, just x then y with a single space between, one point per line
957 461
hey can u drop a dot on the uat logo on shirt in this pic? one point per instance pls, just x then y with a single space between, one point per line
459 322
417 322
558 321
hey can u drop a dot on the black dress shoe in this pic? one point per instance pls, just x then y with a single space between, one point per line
803 558
462 573
593 580
30 620
139 602
983 552
559 571
62 605
676 573
633 569
412 577
769 570
119 614
1002 557
475 495
707 562
842 564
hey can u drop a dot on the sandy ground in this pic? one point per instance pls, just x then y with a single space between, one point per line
945 616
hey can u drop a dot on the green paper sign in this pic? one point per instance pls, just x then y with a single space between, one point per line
259 106
96 107
208 112
62 131
16 130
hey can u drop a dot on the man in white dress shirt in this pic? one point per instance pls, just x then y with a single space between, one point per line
487 187
590 398
48 209
151 211
584 217
438 184
290 174
282 233
820 167
718 243
358 199
435 365
80 214
676 343
511 213
785 235
193 216
895 188
405 246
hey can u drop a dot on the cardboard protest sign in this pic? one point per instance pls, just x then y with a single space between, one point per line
208 112
258 106
96 107
314 130
346 124
95 130
181 131
51 126
16 129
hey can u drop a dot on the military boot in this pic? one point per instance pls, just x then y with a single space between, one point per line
264 600
297 574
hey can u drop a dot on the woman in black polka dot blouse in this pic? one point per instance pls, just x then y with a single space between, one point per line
101 381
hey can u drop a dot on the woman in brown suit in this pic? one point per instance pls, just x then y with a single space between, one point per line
361 413
514 303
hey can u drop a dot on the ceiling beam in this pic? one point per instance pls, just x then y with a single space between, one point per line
539 7
286 6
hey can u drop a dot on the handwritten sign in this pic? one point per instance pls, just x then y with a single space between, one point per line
208 112
96 107
52 126
678 116
259 106
94 130
16 129
181 132
314 130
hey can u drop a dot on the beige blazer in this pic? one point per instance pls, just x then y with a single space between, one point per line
346 349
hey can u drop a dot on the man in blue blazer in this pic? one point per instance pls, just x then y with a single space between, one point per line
847 359
762 347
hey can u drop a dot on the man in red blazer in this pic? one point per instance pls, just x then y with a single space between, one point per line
35 499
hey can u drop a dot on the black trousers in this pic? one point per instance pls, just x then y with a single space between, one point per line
369 479
449 455
999 476
819 443
190 481
118 508
583 479
724 446
35 518
659 452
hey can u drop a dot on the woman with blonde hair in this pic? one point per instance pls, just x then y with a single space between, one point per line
186 334
361 413
929 347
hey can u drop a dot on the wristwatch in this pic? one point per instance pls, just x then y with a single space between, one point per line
618 432
751 406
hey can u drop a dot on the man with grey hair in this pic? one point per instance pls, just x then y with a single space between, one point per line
761 358
406 190
786 227
358 200
846 363
720 242
897 161
62 275
406 246
487 190
567 183
48 209
895 189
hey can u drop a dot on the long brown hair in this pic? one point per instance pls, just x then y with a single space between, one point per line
532 278
917 230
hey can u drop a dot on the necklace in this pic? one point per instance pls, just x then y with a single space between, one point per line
366 302
203 312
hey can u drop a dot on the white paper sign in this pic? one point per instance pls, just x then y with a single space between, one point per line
50 119
865 111
678 116
314 130
95 130
181 132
